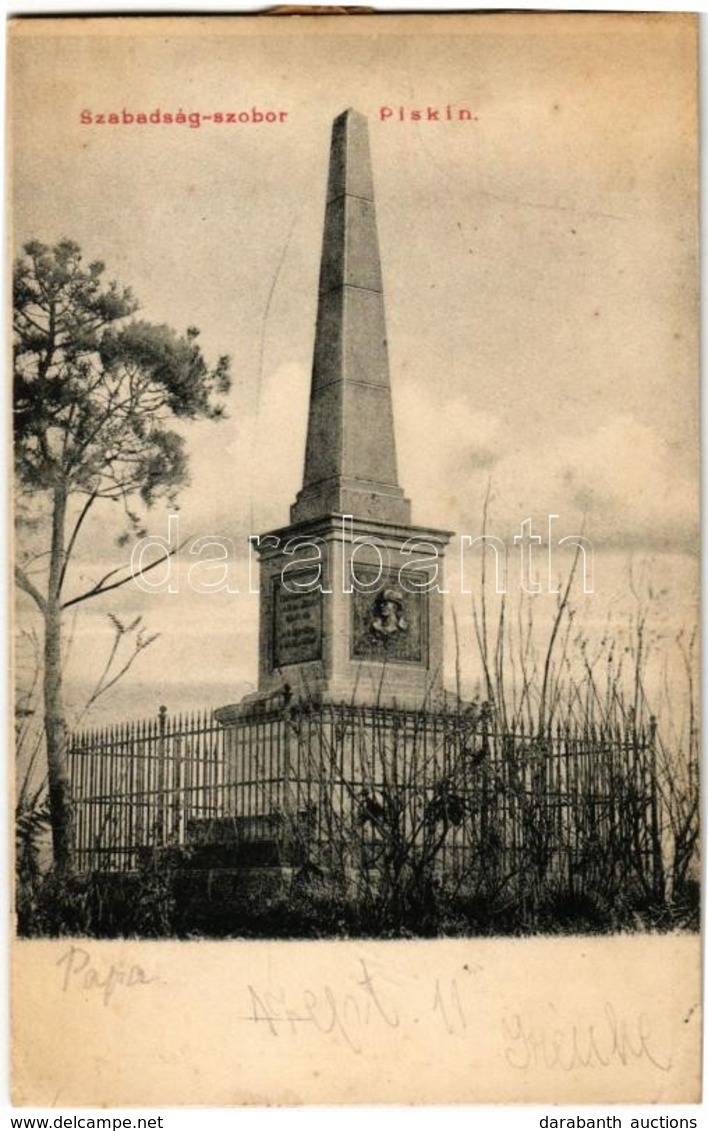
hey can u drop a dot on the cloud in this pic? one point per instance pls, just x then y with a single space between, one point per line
621 479
444 446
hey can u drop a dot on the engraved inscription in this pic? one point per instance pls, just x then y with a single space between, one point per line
297 622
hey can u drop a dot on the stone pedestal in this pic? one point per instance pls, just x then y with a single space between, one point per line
352 612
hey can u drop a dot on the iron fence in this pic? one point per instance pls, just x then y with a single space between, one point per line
347 787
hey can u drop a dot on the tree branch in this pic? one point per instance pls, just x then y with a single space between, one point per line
100 587
74 535
101 687
24 583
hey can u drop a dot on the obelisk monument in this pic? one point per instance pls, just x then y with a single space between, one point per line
351 602
350 461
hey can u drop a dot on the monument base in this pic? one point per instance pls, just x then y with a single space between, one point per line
351 612
311 696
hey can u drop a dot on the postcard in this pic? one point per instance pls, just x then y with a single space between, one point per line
356 555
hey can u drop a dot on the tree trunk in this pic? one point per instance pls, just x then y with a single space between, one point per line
60 802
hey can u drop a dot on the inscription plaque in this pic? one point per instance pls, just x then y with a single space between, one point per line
297 621
389 623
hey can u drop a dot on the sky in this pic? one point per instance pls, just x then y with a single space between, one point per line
539 269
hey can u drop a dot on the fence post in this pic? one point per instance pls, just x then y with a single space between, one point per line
177 822
657 858
161 768
485 721
284 768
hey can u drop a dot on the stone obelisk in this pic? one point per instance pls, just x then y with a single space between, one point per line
350 592
350 461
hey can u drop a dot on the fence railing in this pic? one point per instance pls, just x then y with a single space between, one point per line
355 788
